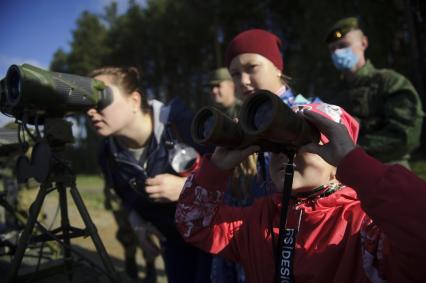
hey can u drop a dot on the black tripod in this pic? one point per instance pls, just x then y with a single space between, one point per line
48 166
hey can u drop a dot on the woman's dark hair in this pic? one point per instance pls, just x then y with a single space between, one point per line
126 78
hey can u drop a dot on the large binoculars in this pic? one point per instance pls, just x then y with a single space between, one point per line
265 120
31 90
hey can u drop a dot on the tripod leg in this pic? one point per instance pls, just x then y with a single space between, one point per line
91 228
65 224
26 234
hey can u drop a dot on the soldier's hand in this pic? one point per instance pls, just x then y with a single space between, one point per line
340 143
164 187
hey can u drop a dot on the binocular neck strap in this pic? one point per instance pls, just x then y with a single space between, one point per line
286 240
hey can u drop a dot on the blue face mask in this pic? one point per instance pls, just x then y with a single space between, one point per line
344 59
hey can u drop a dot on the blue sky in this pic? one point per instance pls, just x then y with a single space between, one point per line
32 30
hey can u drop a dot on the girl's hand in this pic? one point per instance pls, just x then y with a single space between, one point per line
226 159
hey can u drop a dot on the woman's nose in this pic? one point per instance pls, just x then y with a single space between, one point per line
91 112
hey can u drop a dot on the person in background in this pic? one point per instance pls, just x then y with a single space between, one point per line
222 92
240 186
145 155
384 101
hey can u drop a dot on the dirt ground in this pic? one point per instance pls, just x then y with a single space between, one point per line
106 227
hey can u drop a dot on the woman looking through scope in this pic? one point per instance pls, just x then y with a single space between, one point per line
142 138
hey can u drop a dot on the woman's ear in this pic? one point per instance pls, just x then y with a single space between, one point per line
136 98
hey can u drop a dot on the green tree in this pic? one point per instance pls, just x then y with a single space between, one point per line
88 45
88 48
175 43
59 62
111 13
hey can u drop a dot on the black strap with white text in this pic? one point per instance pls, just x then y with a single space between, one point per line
284 259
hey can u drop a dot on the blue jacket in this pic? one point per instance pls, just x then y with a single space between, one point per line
123 172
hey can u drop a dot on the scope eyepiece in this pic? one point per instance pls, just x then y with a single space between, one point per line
106 98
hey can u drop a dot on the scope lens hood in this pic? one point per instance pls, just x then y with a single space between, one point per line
13 85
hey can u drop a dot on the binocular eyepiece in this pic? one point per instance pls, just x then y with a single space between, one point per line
265 120
31 90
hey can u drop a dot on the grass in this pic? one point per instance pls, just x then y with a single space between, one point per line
90 182
90 188
419 167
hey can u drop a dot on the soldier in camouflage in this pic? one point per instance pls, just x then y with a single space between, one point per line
385 102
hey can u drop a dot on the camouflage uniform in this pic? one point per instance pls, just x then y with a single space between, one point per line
385 103
232 111
389 111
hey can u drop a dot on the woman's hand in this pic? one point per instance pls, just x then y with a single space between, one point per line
164 187
226 159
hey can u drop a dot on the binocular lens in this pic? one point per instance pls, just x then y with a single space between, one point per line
262 115
207 127
212 127
13 84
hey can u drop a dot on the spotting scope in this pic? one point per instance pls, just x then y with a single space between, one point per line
29 90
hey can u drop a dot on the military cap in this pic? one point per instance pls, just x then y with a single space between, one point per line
341 28
219 75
